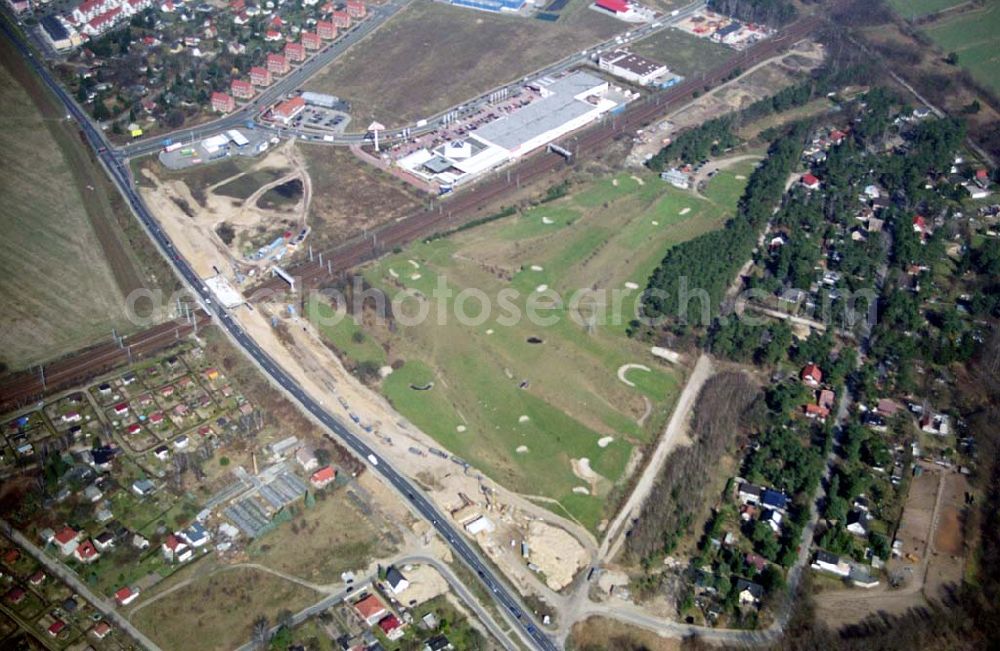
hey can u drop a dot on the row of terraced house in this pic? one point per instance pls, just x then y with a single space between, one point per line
279 64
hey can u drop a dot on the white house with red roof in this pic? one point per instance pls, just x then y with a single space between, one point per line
323 477
811 375
370 609
85 552
920 225
126 595
810 182
341 19
241 88
67 540
391 627
356 8
174 549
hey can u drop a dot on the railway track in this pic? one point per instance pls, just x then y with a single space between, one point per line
24 388
465 206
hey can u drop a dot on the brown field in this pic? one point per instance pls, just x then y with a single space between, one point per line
349 195
947 564
316 545
65 270
432 56
216 611
602 633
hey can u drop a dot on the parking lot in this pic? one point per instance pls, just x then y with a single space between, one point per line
319 118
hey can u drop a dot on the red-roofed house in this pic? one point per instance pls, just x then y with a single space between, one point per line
815 411
311 41
295 52
125 596
826 399
982 174
810 182
15 595
260 76
37 578
242 89
272 35
837 136
223 102
612 6
370 609
288 109
356 8
919 224
134 428
277 63
326 30
12 556
174 549
322 477
67 540
121 409
237 5
101 630
811 375
341 19
391 626
86 552
57 627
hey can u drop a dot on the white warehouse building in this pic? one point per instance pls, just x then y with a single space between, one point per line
565 105
631 67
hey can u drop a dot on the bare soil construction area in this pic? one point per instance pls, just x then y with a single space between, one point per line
432 56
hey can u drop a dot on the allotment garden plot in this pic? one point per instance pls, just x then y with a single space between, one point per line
553 407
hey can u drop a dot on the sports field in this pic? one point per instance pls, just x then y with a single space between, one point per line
528 399
975 36
64 271
683 53
432 56
911 9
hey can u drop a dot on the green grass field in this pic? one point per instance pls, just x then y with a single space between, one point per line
432 56
911 9
63 271
975 36
683 53
607 233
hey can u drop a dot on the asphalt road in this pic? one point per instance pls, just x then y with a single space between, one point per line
378 14
117 169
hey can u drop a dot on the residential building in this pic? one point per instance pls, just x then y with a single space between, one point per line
223 102
773 499
175 550
341 19
749 494
370 609
67 540
104 541
438 643
391 627
356 8
306 457
857 522
810 182
260 76
676 178
326 30
827 562
749 593
126 595
195 535
101 629
56 627
277 64
395 580
816 412
143 487
811 375
86 552
295 52
323 477
312 40
241 89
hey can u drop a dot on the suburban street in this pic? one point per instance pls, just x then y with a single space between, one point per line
58 569
379 15
117 169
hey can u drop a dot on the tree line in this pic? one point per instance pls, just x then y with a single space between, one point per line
710 262
770 12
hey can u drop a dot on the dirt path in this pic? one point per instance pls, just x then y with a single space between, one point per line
676 428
